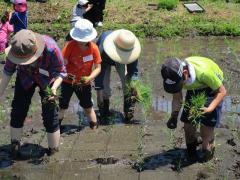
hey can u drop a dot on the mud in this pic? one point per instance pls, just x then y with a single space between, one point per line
144 149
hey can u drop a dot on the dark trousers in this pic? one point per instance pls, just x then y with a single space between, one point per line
96 13
20 106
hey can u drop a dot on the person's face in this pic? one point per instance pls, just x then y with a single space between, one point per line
83 44
185 75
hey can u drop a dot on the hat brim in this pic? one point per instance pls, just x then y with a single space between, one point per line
118 55
173 88
89 38
25 61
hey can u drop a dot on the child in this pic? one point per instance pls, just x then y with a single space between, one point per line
198 75
80 55
5 31
19 18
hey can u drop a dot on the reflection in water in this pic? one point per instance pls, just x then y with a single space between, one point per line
164 105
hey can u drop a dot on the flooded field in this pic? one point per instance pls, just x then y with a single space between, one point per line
145 149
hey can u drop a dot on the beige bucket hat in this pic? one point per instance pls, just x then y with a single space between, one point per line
122 46
25 47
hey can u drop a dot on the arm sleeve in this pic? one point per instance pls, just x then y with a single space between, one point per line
13 18
9 68
211 80
132 71
10 28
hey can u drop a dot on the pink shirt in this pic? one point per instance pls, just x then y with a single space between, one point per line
5 31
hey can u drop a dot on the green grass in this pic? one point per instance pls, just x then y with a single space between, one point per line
220 18
167 4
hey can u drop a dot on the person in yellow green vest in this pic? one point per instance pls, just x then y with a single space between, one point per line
203 80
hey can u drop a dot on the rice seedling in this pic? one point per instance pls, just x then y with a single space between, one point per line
49 95
139 164
140 93
2 113
196 103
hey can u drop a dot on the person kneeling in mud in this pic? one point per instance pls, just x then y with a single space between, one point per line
80 55
118 48
199 76
39 63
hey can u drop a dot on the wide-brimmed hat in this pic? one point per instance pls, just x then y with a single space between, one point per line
20 5
83 31
25 47
172 73
82 2
122 46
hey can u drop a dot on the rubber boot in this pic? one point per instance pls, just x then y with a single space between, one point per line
207 155
53 142
104 111
192 152
16 135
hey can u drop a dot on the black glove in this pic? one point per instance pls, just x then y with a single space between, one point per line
172 122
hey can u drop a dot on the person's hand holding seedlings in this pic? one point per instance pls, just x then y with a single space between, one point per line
54 88
220 93
85 80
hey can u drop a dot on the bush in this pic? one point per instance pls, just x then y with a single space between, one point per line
167 4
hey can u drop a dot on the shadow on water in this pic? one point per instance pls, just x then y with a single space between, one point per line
174 157
32 153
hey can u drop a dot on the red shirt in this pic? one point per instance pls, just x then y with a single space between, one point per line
79 63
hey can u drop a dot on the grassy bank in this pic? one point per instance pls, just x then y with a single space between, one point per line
220 18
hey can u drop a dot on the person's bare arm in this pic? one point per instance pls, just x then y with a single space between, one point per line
221 93
94 73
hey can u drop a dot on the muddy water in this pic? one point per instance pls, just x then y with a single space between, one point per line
112 151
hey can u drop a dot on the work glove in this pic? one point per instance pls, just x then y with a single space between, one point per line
172 122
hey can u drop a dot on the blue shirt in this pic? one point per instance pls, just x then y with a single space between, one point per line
50 65
19 20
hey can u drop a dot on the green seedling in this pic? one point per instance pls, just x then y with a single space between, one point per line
2 113
49 95
83 79
140 93
140 155
195 112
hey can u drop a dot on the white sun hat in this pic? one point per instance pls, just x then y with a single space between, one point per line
122 46
82 2
83 31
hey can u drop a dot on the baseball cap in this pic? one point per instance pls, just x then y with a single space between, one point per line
172 73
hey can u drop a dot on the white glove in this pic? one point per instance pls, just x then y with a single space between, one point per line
4 82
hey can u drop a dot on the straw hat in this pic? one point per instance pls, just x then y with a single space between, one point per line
25 47
83 31
122 46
